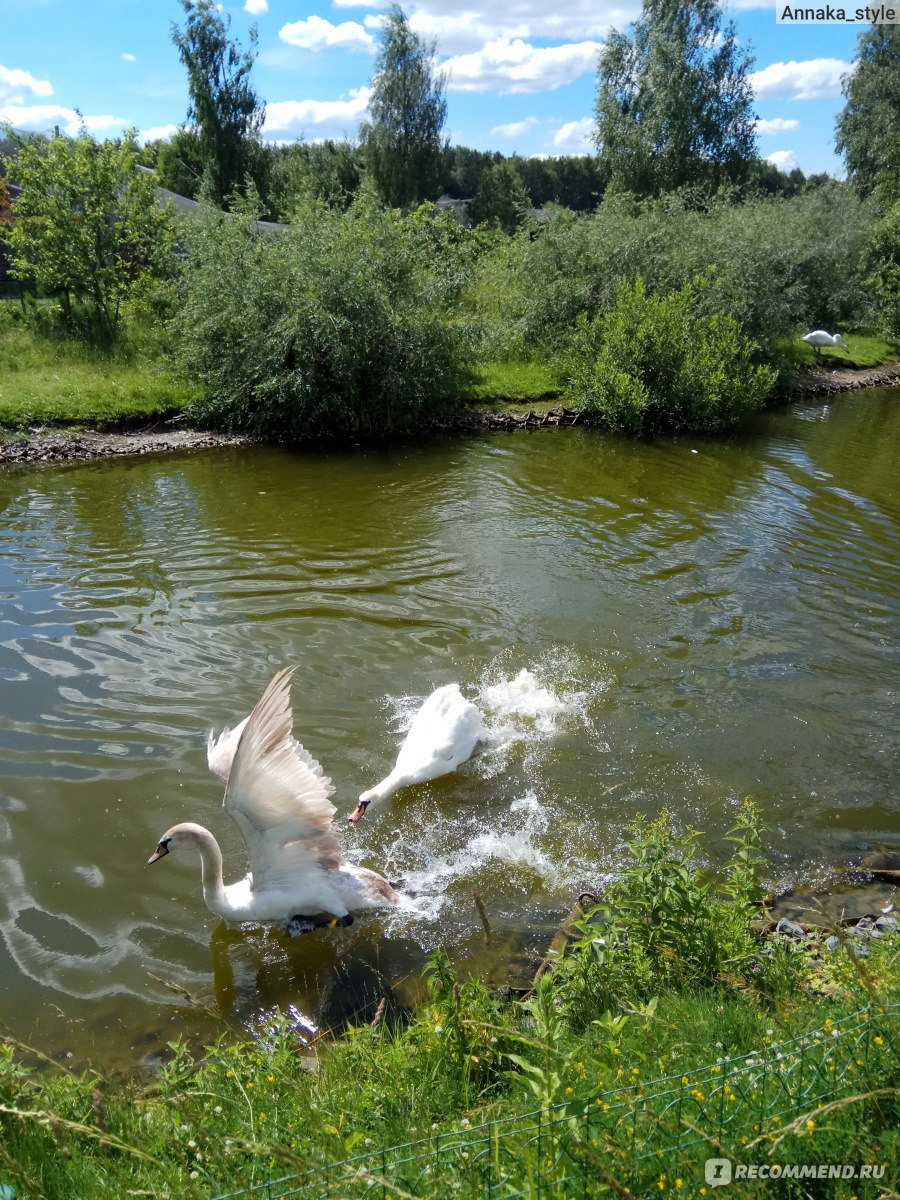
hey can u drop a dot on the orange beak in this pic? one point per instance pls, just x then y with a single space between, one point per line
360 809
158 853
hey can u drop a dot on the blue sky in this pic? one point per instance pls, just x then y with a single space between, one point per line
522 72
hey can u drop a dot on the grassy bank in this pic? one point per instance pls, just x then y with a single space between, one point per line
863 350
57 382
665 1035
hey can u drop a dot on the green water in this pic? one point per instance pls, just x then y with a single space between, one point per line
700 620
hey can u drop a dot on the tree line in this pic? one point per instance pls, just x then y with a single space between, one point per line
674 107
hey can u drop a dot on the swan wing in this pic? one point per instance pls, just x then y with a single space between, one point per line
278 796
220 751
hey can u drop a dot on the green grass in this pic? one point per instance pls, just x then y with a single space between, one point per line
512 381
866 350
52 382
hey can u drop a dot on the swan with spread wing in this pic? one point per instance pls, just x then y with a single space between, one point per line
278 795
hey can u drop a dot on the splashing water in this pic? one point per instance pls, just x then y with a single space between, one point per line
522 847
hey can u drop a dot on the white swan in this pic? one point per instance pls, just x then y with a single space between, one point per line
278 796
444 733
818 337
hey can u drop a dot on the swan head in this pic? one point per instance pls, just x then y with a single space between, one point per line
358 812
187 831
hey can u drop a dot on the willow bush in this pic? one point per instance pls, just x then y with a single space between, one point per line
659 362
345 322
779 264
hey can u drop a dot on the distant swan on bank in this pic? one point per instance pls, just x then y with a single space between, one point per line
278 796
818 337
444 733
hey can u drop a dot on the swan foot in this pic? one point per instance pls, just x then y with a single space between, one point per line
298 924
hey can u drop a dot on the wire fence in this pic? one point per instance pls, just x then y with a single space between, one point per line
566 1149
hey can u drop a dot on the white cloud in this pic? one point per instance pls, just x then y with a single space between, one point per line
257 7
158 133
514 128
776 125
15 85
126 57
576 136
42 118
316 34
784 160
517 66
463 28
815 79
318 118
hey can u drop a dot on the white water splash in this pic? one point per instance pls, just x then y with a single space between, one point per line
524 848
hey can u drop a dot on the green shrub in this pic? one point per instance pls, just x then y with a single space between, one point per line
346 321
780 263
666 924
883 255
655 362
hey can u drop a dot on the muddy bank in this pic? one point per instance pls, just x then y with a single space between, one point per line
839 377
61 445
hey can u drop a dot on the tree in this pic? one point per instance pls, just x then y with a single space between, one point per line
868 127
674 100
224 108
461 169
402 140
501 199
883 258
87 227
178 163
329 171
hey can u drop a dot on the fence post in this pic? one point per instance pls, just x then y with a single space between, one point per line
540 1151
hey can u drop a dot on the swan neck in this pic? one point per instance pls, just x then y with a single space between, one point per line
381 791
211 870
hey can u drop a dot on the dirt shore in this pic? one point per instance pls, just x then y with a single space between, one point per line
53 444
72 445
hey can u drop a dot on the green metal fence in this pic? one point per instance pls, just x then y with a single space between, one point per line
678 1119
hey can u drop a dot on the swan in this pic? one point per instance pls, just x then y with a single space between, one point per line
818 337
278 796
444 734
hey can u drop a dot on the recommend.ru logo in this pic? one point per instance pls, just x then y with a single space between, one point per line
717 1171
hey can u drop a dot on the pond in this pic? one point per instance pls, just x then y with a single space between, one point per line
645 625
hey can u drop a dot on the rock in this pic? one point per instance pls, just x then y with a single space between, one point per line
788 928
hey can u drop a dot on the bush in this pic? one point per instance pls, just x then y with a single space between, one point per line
780 263
883 255
668 925
344 322
655 362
